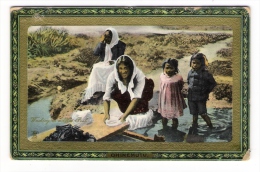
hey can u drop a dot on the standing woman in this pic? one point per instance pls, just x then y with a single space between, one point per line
108 50
129 87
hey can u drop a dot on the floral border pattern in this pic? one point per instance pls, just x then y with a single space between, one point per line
129 11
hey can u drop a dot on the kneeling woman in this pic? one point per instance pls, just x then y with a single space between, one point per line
129 87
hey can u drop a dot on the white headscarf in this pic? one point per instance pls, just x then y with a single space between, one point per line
114 41
140 80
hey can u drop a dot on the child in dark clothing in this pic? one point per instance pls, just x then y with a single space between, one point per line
201 83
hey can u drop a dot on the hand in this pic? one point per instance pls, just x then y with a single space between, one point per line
102 39
122 118
107 117
111 62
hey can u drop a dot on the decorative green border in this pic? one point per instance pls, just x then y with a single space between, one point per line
130 11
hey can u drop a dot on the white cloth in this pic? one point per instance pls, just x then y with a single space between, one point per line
80 118
140 120
100 71
114 41
113 121
134 91
97 79
135 121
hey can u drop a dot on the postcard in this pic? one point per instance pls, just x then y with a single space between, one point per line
120 83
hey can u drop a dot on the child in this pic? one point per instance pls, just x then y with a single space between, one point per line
171 101
201 83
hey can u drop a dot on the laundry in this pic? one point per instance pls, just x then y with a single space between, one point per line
69 133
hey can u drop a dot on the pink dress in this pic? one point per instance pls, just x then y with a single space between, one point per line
171 101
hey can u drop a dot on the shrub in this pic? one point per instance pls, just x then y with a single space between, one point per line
81 35
223 68
225 52
47 41
223 91
86 56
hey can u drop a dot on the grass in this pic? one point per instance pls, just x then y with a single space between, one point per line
47 41
70 69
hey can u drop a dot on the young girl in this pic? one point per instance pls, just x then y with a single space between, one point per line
171 101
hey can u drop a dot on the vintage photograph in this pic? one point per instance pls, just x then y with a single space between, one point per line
130 83
138 83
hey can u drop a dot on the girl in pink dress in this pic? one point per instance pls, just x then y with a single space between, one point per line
171 101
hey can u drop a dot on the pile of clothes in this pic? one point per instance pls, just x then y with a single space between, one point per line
70 133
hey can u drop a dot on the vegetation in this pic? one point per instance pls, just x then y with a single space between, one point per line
223 68
86 56
47 41
70 67
223 91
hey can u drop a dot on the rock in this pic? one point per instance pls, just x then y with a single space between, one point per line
59 88
34 90
55 111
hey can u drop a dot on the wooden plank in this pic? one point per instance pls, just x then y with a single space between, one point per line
98 128
144 138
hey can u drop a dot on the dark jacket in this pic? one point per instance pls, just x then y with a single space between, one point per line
117 50
201 83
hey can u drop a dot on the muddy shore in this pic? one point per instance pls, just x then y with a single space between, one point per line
65 76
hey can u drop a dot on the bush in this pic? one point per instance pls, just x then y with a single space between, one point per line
86 56
223 91
223 68
225 52
81 35
47 41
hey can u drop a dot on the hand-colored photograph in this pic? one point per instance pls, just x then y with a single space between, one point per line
130 83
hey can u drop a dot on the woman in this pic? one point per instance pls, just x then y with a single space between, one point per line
129 87
108 50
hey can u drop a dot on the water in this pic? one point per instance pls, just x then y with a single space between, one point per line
210 50
97 30
38 117
220 118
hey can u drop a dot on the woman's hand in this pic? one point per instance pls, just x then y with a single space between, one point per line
107 117
122 118
106 110
102 39
130 107
111 62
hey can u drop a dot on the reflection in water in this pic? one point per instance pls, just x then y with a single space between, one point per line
221 132
172 135
39 120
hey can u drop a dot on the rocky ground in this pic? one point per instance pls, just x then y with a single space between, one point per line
65 76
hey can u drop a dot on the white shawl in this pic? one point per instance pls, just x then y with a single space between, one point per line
134 93
114 41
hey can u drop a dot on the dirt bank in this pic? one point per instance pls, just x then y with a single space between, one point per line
65 75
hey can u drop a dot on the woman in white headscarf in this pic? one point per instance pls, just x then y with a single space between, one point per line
108 50
132 91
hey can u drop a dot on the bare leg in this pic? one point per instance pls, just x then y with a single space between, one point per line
195 121
175 123
207 120
164 122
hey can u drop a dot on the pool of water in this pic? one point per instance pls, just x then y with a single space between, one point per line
221 132
39 120
38 117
